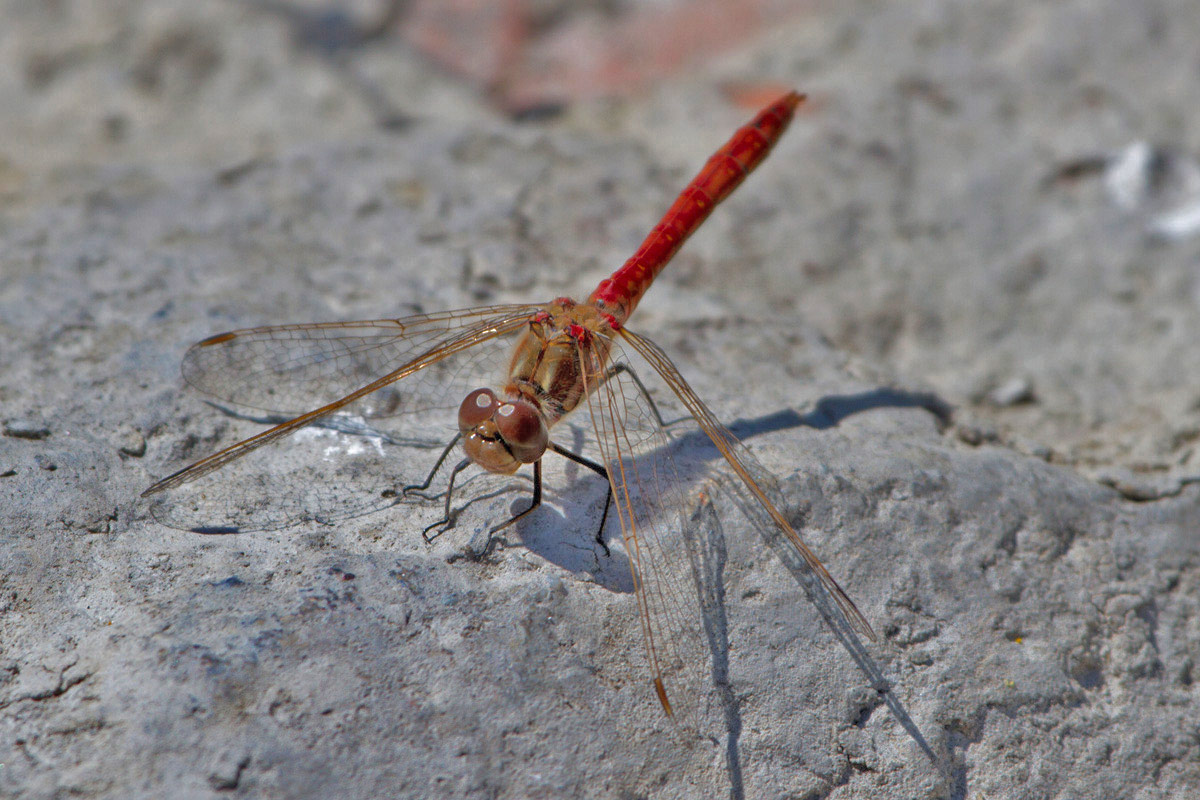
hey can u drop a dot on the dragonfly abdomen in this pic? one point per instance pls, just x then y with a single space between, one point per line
618 295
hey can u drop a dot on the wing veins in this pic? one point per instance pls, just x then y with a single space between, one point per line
302 356
725 442
602 409
481 332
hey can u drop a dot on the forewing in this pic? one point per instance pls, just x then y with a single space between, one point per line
346 467
288 370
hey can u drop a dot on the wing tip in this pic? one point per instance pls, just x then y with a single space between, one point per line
860 624
661 691
219 338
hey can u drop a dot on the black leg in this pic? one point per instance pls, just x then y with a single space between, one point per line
421 487
446 522
603 473
537 501
478 555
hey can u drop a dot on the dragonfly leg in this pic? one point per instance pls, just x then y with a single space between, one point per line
603 473
419 488
537 501
478 554
447 520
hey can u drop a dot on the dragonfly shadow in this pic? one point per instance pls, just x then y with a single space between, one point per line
827 413
704 543
564 534
565 543
704 540
849 640
830 411
562 530
349 424
567 540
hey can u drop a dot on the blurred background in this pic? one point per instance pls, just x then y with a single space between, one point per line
218 81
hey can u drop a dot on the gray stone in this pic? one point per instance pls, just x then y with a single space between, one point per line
935 223
26 429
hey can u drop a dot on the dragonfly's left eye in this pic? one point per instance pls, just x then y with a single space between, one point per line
523 430
477 408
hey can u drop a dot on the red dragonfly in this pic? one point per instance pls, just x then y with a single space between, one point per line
566 354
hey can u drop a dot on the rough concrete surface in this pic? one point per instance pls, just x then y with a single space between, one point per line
991 206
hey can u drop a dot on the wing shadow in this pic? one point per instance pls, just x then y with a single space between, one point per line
705 545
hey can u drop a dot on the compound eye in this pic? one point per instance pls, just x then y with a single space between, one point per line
476 408
523 430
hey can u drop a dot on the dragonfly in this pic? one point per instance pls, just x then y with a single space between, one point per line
562 355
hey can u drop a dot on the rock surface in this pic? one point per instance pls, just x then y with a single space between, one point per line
979 197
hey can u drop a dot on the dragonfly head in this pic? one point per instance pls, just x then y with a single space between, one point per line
501 435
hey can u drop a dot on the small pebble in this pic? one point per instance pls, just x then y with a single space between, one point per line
1015 391
975 435
1143 488
26 429
1128 175
132 443
920 658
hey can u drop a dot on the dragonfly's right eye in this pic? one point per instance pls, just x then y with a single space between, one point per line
523 430
476 408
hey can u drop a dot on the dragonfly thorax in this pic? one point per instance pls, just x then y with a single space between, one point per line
501 435
560 358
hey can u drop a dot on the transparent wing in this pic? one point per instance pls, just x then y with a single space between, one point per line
660 481
670 488
346 467
755 490
291 369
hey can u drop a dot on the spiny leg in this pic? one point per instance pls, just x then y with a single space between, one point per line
418 488
444 524
490 545
537 501
603 473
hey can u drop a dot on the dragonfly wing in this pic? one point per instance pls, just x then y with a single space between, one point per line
290 369
317 476
660 502
323 475
671 488
751 486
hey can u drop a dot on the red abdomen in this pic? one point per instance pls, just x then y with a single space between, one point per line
618 295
